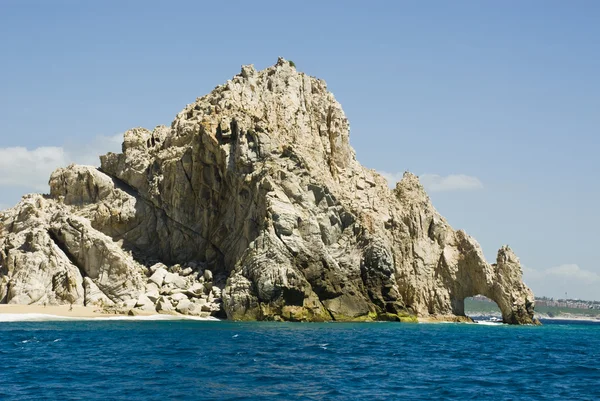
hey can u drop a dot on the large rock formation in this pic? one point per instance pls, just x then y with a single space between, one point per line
254 198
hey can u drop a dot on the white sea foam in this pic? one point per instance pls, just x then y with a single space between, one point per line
481 322
437 322
40 317
488 323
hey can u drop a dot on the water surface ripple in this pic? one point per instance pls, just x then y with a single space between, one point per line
196 360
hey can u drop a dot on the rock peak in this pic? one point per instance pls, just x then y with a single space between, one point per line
410 190
506 255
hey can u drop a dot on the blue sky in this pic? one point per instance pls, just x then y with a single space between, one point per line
494 104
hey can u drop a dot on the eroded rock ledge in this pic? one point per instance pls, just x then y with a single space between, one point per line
251 205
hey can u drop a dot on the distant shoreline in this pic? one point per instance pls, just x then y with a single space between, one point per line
566 316
570 317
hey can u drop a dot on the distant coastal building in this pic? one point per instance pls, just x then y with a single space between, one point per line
567 303
551 302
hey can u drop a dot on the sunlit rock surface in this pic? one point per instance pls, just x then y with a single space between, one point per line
251 205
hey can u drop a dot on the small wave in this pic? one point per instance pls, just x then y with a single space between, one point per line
488 323
436 322
28 341
477 322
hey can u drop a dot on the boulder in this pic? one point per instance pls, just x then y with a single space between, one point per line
208 276
158 277
199 301
152 292
210 307
196 290
164 305
145 303
185 306
93 295
175 280
175 298
157 266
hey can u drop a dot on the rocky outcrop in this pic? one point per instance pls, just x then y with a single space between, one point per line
254 205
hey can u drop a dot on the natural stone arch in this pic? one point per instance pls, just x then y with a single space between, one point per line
480 305
501 282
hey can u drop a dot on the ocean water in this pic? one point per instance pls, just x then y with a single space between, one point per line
202 360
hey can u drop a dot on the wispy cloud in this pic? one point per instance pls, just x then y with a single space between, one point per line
453 182
392 178
439 183
31 169
568 278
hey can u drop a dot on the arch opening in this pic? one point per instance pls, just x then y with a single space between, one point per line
482 309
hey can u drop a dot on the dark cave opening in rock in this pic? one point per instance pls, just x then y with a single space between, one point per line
480 307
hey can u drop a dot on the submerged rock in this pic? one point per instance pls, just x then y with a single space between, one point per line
255 185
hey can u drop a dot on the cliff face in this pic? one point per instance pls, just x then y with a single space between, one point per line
254 199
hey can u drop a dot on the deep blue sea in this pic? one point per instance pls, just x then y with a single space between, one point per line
196 360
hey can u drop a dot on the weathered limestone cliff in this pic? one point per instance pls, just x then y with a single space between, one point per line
250 205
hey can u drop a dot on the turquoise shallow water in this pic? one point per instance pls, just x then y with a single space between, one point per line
158 360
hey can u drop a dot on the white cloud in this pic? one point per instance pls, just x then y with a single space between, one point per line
89 153
31 169
569 278
438 183
392 178
453 182
573 271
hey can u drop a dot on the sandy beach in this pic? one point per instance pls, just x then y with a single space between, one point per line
76 311
444 319
16 313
